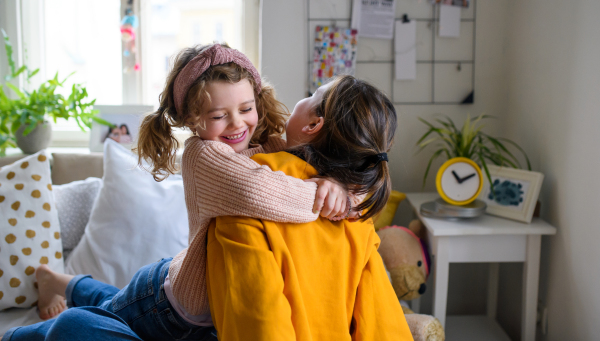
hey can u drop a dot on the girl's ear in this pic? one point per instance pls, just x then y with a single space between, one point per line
314 125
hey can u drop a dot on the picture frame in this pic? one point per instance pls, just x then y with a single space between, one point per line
127 119
517 192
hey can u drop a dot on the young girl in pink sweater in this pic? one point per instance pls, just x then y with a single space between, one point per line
217 93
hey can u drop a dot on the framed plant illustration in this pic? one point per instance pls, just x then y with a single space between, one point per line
514 194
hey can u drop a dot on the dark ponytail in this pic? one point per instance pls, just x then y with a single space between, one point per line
358 128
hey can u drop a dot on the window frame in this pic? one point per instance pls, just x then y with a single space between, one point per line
23 20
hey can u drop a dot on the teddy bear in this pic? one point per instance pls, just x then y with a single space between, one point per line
407 261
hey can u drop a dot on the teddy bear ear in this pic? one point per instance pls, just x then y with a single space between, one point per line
416 226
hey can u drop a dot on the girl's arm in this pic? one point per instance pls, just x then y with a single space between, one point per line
229 184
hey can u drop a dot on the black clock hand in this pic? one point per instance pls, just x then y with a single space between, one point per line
467 178
456 177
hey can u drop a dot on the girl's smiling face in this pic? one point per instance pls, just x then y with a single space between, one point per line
231 115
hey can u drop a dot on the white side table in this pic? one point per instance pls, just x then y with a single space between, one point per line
485 239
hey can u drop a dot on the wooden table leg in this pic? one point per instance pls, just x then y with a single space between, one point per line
492 294
440 279
531 272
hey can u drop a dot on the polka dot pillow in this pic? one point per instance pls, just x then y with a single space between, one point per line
29 229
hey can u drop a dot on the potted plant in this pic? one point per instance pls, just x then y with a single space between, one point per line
24 120
470 142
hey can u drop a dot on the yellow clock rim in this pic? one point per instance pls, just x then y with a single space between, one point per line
438 180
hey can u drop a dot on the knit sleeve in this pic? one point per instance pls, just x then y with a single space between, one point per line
230 184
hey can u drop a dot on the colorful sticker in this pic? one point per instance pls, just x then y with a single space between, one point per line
334 54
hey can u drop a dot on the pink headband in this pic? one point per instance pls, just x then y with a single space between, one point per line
214 55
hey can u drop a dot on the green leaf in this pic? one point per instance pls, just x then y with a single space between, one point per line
9 52
102 121
519 148
433 157
487 172
33 73
16 90
30 128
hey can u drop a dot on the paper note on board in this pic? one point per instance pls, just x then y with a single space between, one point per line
449 21
374 18
405 50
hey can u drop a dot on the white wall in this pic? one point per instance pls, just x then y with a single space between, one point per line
284 62
553 110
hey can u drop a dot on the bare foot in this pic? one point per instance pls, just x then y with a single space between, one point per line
52 286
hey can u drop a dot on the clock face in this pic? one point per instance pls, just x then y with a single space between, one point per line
461 181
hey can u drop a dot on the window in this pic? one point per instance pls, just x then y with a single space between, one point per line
175 25
85 37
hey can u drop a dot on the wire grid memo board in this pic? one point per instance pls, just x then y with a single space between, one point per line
445 66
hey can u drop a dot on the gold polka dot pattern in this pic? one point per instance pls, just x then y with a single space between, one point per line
30 270
29 229
10 238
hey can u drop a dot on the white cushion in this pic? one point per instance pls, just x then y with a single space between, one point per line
29 229
135 221
74 202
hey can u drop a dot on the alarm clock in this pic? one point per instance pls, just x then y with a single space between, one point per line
459 181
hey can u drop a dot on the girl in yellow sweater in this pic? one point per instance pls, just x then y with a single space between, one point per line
321 280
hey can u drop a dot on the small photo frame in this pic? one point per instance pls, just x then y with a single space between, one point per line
126 120
516 193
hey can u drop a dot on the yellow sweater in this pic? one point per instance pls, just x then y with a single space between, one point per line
321 280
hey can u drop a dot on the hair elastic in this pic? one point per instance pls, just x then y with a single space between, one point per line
214 55
373 160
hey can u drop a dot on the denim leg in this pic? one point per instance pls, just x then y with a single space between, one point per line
89 323
34 332
84 291
144 305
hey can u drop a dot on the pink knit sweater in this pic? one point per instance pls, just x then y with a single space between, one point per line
219 182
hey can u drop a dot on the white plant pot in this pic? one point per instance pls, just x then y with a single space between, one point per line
38 139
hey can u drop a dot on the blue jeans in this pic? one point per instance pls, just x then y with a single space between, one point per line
140 311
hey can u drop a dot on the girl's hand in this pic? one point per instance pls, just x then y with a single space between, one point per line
330 199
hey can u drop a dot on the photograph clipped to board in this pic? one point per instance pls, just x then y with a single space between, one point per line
334 54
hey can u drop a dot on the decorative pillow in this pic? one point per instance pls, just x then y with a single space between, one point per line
135 221
74 202
29 229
